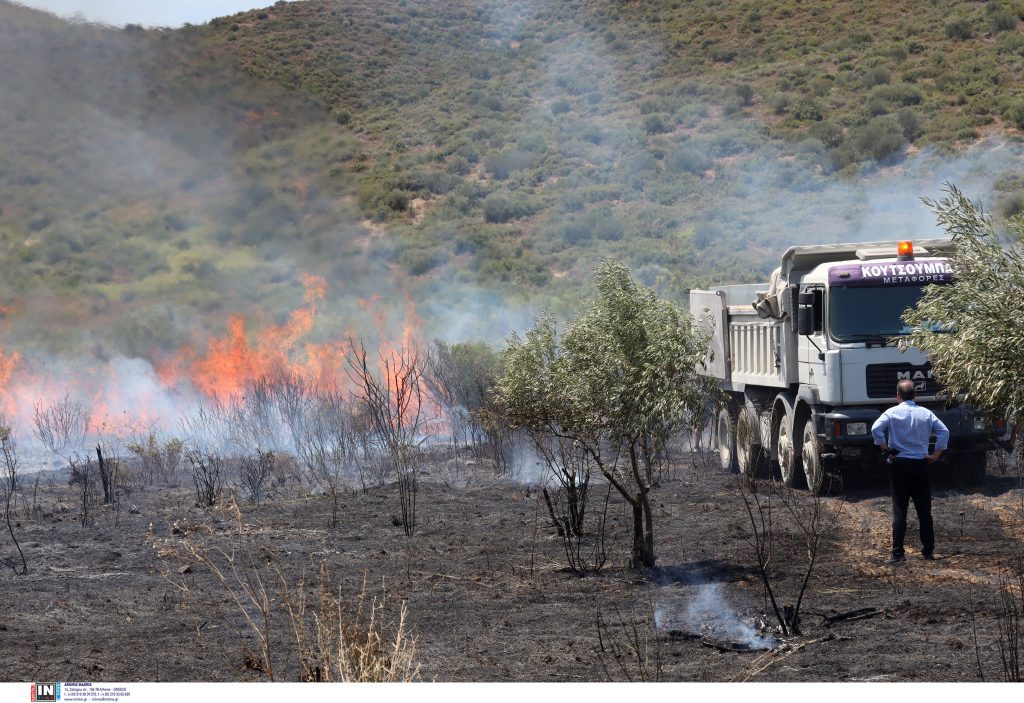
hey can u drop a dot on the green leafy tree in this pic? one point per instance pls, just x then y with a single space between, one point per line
981 357
618 382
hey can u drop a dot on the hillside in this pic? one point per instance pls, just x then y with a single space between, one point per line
655 131
479 155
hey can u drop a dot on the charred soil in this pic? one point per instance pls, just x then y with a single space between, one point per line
488 591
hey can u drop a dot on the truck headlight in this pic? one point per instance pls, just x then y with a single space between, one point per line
980 423
855 429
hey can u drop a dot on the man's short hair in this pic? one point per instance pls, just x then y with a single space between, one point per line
905 390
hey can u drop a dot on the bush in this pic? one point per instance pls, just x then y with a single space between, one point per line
898 94
397 200
876 75
499 208
1015 114
1012 205
828 133
880 138
505 163
745 92
560 107
807 109
649 106
721 54
960 29
419 261
687 160
780 103
1002 19
458 166
910 124
655 124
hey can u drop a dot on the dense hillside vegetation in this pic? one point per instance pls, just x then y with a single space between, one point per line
155 179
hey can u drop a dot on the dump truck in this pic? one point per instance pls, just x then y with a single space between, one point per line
808 362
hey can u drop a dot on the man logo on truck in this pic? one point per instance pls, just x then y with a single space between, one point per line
920 378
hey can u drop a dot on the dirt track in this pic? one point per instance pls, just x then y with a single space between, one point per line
489 594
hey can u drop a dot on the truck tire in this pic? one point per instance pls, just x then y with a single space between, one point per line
726 432
787 454
814 467
970 468
749 454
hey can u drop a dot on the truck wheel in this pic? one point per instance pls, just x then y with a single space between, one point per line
749 455
814 468
970 467
787 454
726 431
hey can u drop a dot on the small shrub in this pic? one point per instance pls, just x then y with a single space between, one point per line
721 54
745 92
687 160
910 124
1015 114
397 200
1012 205
780 103
880 138
418 261
655 124
959 29
499 208
207 471
877 75
828 133
649 107
505 163
560 106
1002 19
807 109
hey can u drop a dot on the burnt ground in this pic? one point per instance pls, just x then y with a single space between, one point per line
488 593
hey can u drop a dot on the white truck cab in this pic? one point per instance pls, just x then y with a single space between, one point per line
809 361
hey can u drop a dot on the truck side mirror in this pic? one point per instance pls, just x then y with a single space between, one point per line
805 319
808 314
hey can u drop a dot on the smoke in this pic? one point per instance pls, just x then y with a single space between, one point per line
140 140
707 612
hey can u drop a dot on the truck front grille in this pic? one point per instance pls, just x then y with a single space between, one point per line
882 379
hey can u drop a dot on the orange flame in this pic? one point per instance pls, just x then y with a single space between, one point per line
231 363
8 363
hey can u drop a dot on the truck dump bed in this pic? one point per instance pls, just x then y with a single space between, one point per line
744 348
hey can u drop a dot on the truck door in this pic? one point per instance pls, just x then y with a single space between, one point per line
811 348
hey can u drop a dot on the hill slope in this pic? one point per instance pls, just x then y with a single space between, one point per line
482 153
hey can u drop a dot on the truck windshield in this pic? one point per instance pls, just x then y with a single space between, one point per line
860 314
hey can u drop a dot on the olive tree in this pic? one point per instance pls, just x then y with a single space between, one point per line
618 381
973 330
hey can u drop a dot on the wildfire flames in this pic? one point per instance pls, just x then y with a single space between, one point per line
128 394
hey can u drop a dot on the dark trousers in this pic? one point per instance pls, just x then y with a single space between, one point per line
909 481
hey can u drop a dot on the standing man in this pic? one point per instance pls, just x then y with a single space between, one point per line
909 428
